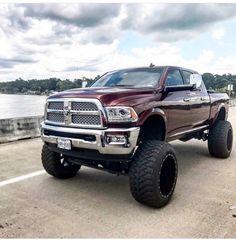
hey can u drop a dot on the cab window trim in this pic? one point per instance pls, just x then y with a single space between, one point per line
181 75
182 72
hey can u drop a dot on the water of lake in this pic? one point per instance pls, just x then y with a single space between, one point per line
21 105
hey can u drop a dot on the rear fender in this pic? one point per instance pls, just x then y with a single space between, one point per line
221 106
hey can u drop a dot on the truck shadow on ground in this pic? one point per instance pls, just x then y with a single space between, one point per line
189 155
98 186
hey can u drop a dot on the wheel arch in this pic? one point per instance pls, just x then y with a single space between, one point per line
154 121
221 113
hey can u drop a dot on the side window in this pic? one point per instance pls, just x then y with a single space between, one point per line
186 75
174 78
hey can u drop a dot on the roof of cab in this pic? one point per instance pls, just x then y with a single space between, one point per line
154 67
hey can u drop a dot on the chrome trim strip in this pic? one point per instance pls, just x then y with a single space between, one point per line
190 131
92 113
99 134
54 111
54 123
85 131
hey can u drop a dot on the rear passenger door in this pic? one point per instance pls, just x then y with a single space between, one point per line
199 102
178 104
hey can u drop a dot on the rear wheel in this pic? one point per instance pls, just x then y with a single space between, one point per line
56 165
220 140
153 173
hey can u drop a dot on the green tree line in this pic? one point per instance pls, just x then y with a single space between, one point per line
45 86
219 82
42 86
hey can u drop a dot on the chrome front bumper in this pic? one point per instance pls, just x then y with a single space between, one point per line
100 143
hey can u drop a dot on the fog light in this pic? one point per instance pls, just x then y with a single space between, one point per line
116 139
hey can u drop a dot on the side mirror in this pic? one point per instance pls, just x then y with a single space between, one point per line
178 88
196 80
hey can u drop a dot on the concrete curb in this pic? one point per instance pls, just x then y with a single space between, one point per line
14 129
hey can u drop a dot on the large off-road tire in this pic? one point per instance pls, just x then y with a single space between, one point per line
153 173
220 139
56 165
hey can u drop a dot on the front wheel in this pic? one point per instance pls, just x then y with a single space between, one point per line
56 165
153 173
220 140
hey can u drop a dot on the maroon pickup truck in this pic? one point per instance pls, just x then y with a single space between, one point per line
124 121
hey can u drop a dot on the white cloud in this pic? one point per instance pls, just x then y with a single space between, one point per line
71 44
218 34
225 64
169 54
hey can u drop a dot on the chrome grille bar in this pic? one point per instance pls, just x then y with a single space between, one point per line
88 113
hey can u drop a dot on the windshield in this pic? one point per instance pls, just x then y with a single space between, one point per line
135 78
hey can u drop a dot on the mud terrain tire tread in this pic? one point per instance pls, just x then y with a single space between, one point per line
145 173
51 163
218 139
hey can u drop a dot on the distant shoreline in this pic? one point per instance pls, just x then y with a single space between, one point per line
23 94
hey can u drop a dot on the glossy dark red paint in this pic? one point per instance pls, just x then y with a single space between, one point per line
178 114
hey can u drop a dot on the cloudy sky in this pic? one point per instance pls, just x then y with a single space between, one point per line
75 40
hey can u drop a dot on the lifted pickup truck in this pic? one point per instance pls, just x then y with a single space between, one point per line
124 121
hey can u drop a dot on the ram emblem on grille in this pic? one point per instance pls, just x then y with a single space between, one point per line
66 111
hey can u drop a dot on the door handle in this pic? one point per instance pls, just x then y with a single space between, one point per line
203 98
186 99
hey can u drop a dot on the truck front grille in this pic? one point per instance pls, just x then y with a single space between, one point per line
83 106
58 105
86 119
55 117
75 113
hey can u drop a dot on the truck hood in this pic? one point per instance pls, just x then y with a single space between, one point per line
109 96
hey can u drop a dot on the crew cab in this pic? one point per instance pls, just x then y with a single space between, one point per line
124 121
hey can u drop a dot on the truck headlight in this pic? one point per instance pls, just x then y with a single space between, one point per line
121 114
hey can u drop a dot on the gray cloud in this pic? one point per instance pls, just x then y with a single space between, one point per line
81 15
84 66
46 41
18 21
101 35
12 19
190 16
80 68
172 22
4 64
163 22
73 18
66 20
63 31
11 62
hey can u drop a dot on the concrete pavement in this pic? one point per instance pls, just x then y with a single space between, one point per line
97 204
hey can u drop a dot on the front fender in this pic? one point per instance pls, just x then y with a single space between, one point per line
150 113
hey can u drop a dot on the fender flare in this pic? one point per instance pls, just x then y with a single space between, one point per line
221 105
153 112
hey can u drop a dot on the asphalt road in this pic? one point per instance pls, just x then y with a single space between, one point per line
96 204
